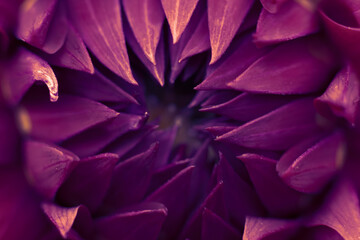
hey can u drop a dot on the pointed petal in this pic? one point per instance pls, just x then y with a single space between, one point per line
65 118
24 70
341 97
315 166
48 166
292 20
88 182
174 195
302 66
146 19
99 24
178 13
213 228
277 130
142 223
262 228
225 18
131 179
280 200
340 212
73 54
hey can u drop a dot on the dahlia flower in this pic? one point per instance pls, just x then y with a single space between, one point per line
179 119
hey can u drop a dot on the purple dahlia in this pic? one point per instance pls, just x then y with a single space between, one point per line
179 119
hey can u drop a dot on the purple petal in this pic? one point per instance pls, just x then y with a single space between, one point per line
341 97
142 222
73 53
225 18
97 138
309 166
178 15
9 137
340 212
277 130
300 66
146 19
272 229
24 70
99 24
240 59
174 195
131 179
279 199
272 6
88 182
214 227
65 118
292 20
48 166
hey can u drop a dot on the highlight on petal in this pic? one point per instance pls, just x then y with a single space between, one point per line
292 20
99 24
342 96
296 67
225 18
24 70
146 19
277 130
310 165
47 166
65 118
178 13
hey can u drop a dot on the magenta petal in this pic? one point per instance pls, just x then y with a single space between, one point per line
65 118
214 227
24 70
272 6
272 229
34 21
277 130
199 40
97 138
146 19
131 179
240 59
280 200
308 166
225 18
178 13
99 23
88 182
73 54
64 219
142 222
296 67
292 20
341 97
340 212
48 166
174 195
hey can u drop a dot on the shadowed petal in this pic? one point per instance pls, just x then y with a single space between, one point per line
141 222
277 130
88 182
24 70
65 118
178 13
272 6
146 19
9 137
308 166
296 67
48 166
99 23
225 18
292 20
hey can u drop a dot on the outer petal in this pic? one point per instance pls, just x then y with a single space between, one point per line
48 166
99 23
225 18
